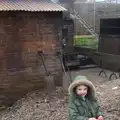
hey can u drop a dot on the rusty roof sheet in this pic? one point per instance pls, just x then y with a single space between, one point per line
30 5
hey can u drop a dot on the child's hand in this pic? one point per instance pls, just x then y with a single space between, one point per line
100 118
92 119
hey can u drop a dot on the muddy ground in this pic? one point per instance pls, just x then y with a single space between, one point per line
41 105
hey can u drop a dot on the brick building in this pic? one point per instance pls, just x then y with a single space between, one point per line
27 27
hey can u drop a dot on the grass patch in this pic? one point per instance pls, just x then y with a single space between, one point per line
86 41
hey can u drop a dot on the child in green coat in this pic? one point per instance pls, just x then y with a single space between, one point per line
82 100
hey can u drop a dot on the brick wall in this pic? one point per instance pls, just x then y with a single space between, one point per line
22 34
68 33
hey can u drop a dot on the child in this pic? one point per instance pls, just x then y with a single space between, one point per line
82 100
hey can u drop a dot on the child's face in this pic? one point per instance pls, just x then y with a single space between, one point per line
81 90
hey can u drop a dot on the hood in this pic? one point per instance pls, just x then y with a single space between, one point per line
82 80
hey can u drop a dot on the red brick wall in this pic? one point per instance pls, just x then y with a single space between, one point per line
22 34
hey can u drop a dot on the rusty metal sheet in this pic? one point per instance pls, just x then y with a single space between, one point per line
30 5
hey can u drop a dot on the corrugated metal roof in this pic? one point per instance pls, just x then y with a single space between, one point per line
30 5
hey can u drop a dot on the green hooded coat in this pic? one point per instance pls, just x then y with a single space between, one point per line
83 108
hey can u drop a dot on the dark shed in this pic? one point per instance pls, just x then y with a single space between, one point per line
27 27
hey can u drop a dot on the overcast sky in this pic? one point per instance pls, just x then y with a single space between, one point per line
55 1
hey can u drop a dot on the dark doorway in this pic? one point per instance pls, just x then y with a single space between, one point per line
110 26
109 41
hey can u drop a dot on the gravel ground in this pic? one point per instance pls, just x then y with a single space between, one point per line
41 105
